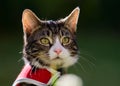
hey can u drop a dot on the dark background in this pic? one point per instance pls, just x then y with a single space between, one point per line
98 37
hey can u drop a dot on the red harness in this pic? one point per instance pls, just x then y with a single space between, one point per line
40 77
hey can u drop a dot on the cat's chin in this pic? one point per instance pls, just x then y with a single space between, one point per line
56 63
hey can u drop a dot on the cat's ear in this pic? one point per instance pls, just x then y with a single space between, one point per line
30 21
72 20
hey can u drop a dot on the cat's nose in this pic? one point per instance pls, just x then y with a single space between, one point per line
58 51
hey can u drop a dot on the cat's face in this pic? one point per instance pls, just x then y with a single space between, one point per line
50 43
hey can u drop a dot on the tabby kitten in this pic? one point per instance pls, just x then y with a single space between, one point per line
50 43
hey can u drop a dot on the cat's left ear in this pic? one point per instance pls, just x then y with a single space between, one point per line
72 20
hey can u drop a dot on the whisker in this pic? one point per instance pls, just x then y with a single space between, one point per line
33 66
86 54
20 59
89 56
90 66
31 70
76 69
81 66
35 70
87 60
21 52
38 65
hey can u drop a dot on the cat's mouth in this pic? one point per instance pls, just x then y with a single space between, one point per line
57 58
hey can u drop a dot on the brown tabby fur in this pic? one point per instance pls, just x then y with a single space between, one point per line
34 29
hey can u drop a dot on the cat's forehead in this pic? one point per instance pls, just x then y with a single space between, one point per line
51 29
55 28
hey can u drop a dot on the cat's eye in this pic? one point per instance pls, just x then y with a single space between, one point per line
65 40
44 41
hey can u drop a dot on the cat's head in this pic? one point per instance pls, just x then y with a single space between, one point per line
50 43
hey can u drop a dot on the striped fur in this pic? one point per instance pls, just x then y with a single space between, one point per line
39 54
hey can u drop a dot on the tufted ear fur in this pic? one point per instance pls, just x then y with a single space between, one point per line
72 19
30 21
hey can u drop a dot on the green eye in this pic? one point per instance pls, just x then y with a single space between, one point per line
44 41
66 40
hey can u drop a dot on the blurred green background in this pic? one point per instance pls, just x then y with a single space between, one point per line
98 37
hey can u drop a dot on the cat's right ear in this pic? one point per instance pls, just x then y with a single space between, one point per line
30 22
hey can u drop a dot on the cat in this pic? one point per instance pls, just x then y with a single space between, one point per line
50 43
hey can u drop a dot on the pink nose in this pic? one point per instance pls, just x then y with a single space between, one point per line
58 51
